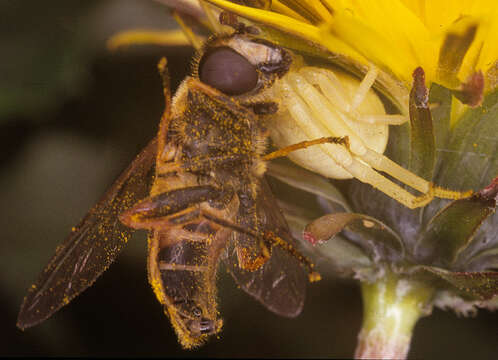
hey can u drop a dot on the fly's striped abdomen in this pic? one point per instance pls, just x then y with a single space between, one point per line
185 264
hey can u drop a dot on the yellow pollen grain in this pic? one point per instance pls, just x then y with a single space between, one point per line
368 224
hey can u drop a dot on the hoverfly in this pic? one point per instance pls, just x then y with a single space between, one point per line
208 202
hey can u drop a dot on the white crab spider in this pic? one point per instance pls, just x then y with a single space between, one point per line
315 103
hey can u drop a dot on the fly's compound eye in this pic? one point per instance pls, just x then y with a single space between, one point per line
228 71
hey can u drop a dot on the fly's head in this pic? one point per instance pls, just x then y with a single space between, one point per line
243 67
195 321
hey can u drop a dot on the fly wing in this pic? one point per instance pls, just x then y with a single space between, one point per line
91 247
280 284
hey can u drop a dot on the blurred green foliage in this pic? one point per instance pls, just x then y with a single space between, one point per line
45 54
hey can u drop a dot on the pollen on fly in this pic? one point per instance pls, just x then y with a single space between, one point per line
208 202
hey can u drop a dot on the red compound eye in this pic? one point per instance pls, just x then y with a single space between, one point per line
228 71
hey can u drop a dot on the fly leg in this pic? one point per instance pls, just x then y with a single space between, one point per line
264 237
162 66
305 144
168 209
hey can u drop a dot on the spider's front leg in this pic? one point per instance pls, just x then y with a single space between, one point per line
317 104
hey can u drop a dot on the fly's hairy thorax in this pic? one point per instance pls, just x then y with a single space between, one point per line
226 135
219 143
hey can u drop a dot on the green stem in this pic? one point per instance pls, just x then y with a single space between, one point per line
391 309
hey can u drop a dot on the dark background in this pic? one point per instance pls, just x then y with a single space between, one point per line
72 116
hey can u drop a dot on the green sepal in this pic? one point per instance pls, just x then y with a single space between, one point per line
470 160
450 232
378 241
471 285
337 257
487 259
440 101
340 257
422 141
308 181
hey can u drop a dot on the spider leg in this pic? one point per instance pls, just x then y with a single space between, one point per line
306 104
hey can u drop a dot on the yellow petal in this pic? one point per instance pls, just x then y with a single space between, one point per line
369 43
313 10
277 6
487 40
278 21
386 32
290 26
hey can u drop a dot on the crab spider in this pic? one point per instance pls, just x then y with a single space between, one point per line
315 103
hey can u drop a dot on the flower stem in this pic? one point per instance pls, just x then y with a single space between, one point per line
391 309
